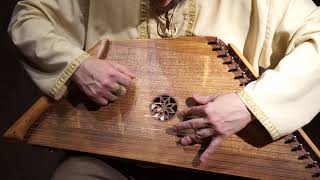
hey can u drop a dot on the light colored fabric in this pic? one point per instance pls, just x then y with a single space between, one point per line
282 36
86 168
51 34
287 92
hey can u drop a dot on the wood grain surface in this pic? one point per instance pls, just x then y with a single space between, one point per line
178 68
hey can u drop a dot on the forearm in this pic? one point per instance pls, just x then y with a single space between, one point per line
284 99
53 53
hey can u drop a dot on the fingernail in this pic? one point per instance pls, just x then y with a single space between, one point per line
203 158
185 141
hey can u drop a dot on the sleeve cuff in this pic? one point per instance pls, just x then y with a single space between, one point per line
58 89
259 114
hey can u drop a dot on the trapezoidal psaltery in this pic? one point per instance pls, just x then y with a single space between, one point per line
136 126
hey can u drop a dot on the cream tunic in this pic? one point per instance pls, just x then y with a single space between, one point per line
282 36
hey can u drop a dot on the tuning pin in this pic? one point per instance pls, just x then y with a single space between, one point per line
218 48
213 41
311 165
244 81
241 76
293 139
297 148
224 54
305 156
228 60
235 68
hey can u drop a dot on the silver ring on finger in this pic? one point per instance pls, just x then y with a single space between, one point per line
117 91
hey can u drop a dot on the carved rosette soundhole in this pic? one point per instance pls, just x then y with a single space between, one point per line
163 108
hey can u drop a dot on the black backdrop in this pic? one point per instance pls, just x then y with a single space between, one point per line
17 90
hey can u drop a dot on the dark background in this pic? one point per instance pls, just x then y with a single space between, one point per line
17 91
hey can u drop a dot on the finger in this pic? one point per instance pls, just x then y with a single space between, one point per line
201 100
123 91
192 111
95 96
124 70
189 140
122 79
204 133
191 124
100 100
216 141
109 96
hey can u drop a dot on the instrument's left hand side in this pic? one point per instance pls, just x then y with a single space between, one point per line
217 117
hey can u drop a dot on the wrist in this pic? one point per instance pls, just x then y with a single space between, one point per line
77 73
250 115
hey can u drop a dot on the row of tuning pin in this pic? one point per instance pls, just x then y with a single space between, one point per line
232 61
303 155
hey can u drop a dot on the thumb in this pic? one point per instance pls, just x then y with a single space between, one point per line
201 100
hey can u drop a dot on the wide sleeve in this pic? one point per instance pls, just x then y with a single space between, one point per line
286 97
51 35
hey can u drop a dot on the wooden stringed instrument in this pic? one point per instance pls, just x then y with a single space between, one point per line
137 125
